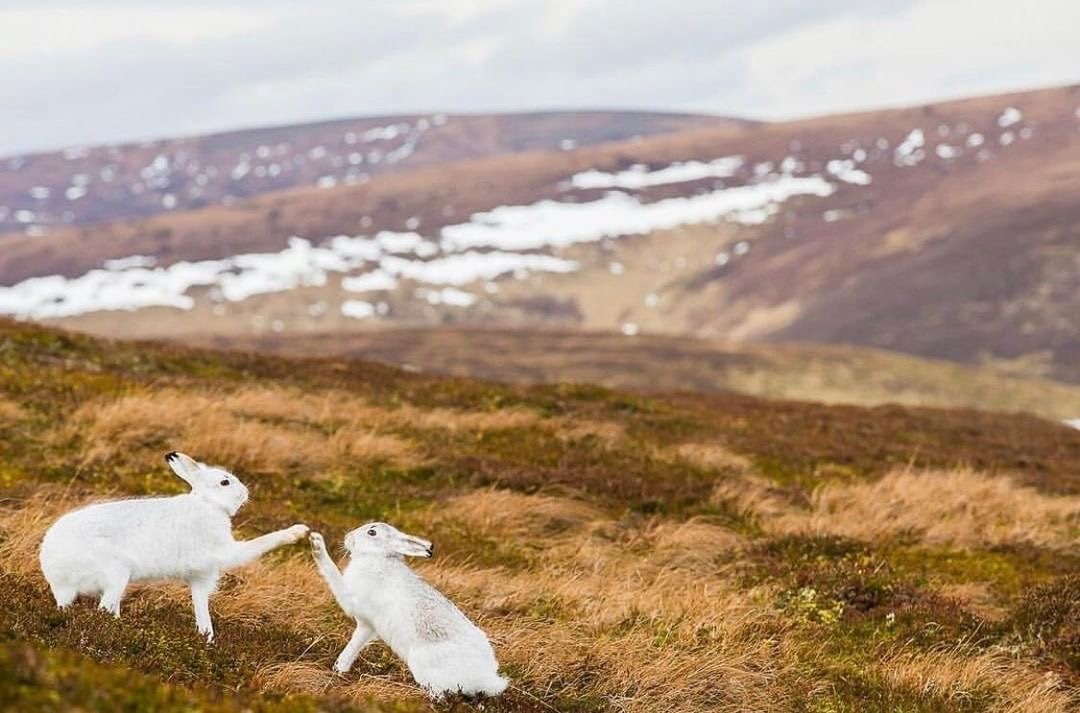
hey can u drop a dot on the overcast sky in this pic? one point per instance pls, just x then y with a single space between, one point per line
83 71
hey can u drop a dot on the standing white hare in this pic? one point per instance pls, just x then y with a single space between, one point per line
100 548
445 652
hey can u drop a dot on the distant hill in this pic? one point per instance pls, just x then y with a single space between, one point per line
83 185
948 230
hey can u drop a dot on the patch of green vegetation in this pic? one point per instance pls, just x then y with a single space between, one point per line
38 679
1009 571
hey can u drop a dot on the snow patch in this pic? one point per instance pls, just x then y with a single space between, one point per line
910 152
945 151
463 268
447 296
639 176
1010 116
552 224
369 282
845 170
357 309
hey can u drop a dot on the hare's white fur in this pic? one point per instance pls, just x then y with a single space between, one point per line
445 652
100 548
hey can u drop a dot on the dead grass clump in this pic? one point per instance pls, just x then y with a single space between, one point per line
10 411
752 496
450 420
693 545
710 456
956 507
958 677
229 429
295 677
252 445
606 433
400 689
357 443
198 423
293 405
514 515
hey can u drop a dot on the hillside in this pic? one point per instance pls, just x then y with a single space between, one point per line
626 551
947 231
84 185
807 372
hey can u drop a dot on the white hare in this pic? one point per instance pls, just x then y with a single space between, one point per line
99 548
445 652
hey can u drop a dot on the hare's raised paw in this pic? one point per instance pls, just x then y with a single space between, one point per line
297 532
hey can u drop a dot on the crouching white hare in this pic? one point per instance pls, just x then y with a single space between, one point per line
445 651
98 549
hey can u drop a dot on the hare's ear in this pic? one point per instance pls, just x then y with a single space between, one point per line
185 467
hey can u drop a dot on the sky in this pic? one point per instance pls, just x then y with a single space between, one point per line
76 72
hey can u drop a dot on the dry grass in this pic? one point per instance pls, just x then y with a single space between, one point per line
10 411
957 507
754 496
270 429
664 631
295 677
958 676
463 420
639 615
246 430
510 516
710 456
605 432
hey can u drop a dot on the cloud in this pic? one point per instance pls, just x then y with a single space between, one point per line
125 70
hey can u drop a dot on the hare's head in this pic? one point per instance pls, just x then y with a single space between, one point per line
380 538
216 485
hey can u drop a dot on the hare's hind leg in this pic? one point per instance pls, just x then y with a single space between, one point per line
64 594
114 581
201 589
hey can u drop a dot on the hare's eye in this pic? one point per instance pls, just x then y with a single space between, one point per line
371 532
225 482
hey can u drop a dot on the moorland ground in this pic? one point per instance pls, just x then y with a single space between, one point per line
625 551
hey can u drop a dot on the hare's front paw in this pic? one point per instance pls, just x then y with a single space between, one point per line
318 544
297 532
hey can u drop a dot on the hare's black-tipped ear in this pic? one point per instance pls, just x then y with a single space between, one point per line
184 466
